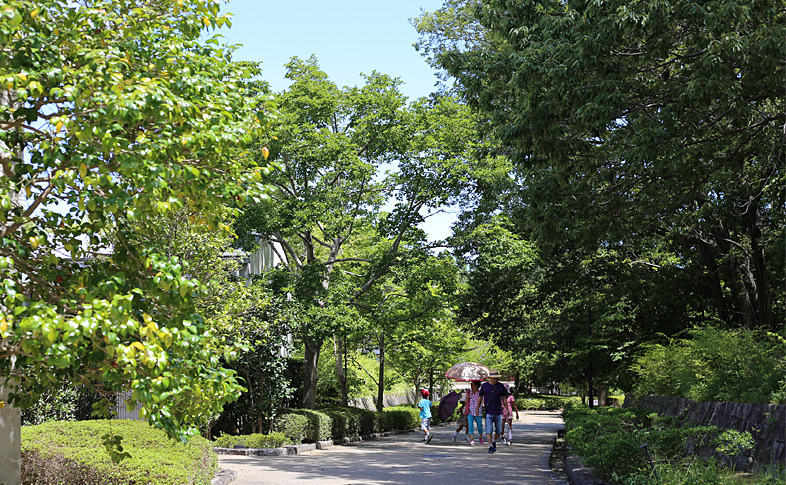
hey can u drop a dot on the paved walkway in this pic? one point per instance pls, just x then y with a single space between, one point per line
400 460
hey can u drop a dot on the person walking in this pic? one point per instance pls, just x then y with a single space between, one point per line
507 417
462 423
425 415
473 412
494 394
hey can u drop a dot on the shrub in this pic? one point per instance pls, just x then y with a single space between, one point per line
295 427
272 440
399 417
609 441
66 453
67 403
716 365
545 402
616 453
319 424
350 421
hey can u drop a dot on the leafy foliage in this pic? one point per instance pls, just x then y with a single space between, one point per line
350 421
399 417
716 365
654 125
610 441
67 403
331 149
319 424
248 319
115 114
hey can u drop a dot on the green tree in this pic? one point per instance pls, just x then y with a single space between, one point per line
538 300
634 122
116 113
331 148
410 295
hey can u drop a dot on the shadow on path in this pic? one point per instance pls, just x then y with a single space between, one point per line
404 459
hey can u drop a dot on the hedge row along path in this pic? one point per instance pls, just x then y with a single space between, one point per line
400 460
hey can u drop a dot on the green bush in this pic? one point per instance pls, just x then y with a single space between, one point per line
272 440
545 402
348 421
716 365
319 424
66 453
69 402
295 427
609 441
399 417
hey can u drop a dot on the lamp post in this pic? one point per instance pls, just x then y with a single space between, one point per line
589 339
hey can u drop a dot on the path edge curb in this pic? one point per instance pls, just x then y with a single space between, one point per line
223 477
546 468
577 473
302 448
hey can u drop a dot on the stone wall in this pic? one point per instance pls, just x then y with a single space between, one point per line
765 422
388 400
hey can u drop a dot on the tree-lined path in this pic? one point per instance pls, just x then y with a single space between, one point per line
399 460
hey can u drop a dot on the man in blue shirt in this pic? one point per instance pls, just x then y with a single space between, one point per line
425 415
494 394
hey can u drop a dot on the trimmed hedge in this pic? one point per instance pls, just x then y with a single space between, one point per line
272 440
70 453
319 427
545 402
399 417
295 427
350 421
336 421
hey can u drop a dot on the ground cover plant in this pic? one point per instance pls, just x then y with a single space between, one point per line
610 440
66 453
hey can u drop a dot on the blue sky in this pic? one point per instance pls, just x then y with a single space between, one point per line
347 37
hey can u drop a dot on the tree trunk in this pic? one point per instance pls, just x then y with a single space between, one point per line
338 349
381 379
310 375
10 431
708 260
260 414
431 383
601 396
763 300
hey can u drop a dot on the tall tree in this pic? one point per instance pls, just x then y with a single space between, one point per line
646 120
119 113
331 149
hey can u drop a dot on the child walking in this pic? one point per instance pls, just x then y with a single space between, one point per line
507 418
425 415
463 423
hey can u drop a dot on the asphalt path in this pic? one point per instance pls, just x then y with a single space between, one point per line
404 459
